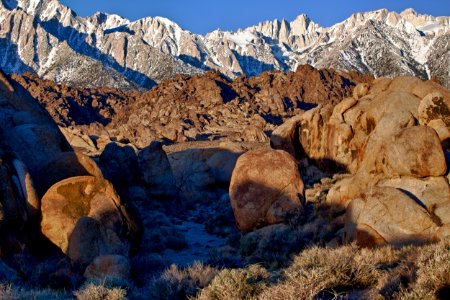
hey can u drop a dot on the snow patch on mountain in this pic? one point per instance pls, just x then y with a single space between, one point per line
152 49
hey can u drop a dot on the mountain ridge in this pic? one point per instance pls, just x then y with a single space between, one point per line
144 52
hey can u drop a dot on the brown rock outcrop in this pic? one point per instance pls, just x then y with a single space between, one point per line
254 134
265 188
85 218
189 107
82 216
388 216
376 137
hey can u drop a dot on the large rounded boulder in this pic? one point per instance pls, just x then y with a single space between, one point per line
387 215
266 187
85 218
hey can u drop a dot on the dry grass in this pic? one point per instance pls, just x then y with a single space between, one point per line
180 283
11 292
346 272
432 264
321 270
236 284
100 292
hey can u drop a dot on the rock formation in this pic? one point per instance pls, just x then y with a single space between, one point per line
187 108
42 177
398 164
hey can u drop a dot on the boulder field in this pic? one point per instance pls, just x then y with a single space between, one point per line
51 194
391 138
387 140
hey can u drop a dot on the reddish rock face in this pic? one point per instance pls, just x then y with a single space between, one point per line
192 107
265 188
75 106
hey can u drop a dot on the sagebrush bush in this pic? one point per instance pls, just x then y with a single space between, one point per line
100 292
180 283
432 265
236 284
272 245
319 270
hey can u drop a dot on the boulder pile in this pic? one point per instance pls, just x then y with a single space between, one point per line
188 108
48 191
391 137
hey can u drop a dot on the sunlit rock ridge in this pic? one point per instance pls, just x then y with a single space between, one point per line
107 50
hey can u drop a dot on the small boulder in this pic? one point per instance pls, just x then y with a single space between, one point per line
221 165
156 171
265 188
433 193
415 151
120 163
285 137
360 90
254 134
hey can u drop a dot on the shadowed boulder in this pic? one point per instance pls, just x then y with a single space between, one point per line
384 216
85 218
265 188
65 165
156 171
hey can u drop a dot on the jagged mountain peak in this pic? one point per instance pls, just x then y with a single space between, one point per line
44 8
155 48
107 21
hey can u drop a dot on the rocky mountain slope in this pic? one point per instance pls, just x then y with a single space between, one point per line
50 39
188 108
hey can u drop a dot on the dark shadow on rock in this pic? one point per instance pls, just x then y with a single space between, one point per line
252 66
193 61
124 29
443 293
226 92
306 105
10 4
271 118
10 61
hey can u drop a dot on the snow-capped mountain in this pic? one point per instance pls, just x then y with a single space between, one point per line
49 38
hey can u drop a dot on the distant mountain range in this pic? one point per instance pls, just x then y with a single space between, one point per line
107 50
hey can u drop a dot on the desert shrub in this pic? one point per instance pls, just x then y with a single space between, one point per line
162 238
100 292
225 257
145 266
236 284
432 280
272 245
160 234
179 283
11 292
320 270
